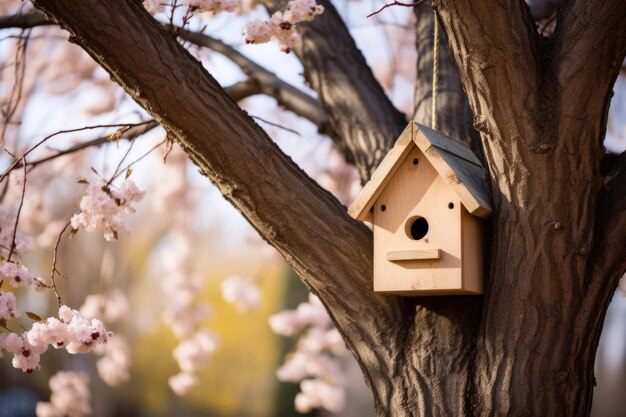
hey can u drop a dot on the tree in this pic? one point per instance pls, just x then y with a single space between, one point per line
539 106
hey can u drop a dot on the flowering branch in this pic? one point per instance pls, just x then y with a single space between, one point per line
42 141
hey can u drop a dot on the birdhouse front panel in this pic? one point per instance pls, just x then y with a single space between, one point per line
417 231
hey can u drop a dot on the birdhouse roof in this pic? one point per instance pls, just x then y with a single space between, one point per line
452 159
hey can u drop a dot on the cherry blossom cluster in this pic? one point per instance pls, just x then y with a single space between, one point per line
70 396
242 293
102 207
185 314
71 331
114 364
281 25
18 276
315 361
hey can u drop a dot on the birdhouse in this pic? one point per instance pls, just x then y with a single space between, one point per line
427 201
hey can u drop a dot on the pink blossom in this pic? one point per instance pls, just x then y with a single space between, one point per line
8 306
102 207
242 293
183 382
70 396
16 275
282 26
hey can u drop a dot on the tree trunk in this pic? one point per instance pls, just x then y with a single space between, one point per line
540 106
542 119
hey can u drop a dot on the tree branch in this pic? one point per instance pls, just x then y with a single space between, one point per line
268 83
359 111
24 21
593 29
261 81
330 251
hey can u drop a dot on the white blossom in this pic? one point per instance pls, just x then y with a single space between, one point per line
281 25
181 383
315 361
243 294
8 306
70 396
102 207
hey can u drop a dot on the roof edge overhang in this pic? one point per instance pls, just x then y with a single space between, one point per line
452 159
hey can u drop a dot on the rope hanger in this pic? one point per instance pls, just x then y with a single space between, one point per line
435 70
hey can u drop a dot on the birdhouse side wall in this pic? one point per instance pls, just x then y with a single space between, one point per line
474 247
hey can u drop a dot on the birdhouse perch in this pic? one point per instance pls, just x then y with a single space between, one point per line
426 202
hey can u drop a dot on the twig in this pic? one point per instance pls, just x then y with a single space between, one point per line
396 3
35 146
295 132
137 160
17 216
54 263
130 134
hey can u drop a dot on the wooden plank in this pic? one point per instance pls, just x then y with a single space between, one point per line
467 179
360 208
449 144
411 255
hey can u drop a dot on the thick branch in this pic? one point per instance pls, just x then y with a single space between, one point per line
330 251
361 114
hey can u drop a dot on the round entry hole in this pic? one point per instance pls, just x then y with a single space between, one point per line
383 207
450 205
415 161
417 228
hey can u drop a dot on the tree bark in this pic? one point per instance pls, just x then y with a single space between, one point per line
541 111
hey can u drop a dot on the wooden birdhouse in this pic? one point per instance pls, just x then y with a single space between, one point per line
426 201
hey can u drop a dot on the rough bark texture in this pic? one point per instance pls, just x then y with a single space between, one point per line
541 110
540 106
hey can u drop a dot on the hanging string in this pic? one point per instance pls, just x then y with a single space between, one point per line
435 70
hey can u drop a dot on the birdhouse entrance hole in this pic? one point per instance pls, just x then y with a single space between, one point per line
417 227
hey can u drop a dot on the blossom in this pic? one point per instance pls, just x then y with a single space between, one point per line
113 366
281 25
73 332
314 363
8 306
154 6
242 293
181 383
317 393
16 275
112 306
70 396
193 353
25 356
102 207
